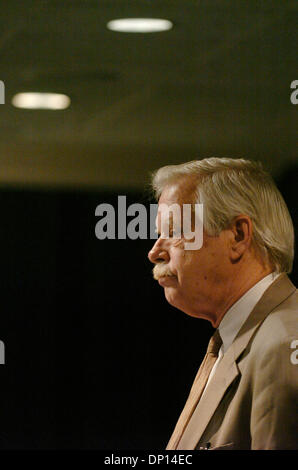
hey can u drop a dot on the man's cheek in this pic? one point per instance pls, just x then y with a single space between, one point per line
178 243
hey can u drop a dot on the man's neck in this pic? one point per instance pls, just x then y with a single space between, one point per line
237 287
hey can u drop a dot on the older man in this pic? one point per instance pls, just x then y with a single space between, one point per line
244 394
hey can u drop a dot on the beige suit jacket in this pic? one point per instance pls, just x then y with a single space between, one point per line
251 401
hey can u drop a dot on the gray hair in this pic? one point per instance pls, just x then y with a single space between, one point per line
229 187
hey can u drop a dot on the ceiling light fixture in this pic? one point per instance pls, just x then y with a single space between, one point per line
139 25
41 101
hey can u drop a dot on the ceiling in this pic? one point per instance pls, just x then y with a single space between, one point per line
217 84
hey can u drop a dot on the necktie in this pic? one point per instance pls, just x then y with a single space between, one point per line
196 389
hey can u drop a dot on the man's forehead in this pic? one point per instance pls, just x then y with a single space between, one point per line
170 198
173 197
181 192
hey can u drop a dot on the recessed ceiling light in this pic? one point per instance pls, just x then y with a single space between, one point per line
40 101
139 25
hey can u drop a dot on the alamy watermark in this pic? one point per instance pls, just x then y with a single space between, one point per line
294 355
166 221
2 92
294 94
2 352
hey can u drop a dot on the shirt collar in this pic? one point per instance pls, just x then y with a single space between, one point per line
235 317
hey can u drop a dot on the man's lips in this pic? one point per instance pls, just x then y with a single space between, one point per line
165 281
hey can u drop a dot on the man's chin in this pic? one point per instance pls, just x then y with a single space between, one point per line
171 296
176 301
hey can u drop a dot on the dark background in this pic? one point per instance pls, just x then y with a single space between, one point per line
95 357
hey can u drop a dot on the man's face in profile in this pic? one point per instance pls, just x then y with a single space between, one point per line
191 278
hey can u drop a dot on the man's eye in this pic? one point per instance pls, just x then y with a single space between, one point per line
175 233
168 233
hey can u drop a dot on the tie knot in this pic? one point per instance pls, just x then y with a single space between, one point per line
214 344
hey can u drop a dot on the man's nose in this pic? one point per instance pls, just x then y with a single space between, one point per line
158 254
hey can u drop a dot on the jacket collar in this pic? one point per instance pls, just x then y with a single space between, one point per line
227 369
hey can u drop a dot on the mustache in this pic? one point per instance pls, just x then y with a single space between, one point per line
161 270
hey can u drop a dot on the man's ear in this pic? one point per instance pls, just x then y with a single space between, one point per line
241 229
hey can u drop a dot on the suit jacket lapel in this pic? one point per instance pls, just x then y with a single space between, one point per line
226 372
276 293
227 369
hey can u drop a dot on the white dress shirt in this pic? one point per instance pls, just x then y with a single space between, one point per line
235 317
